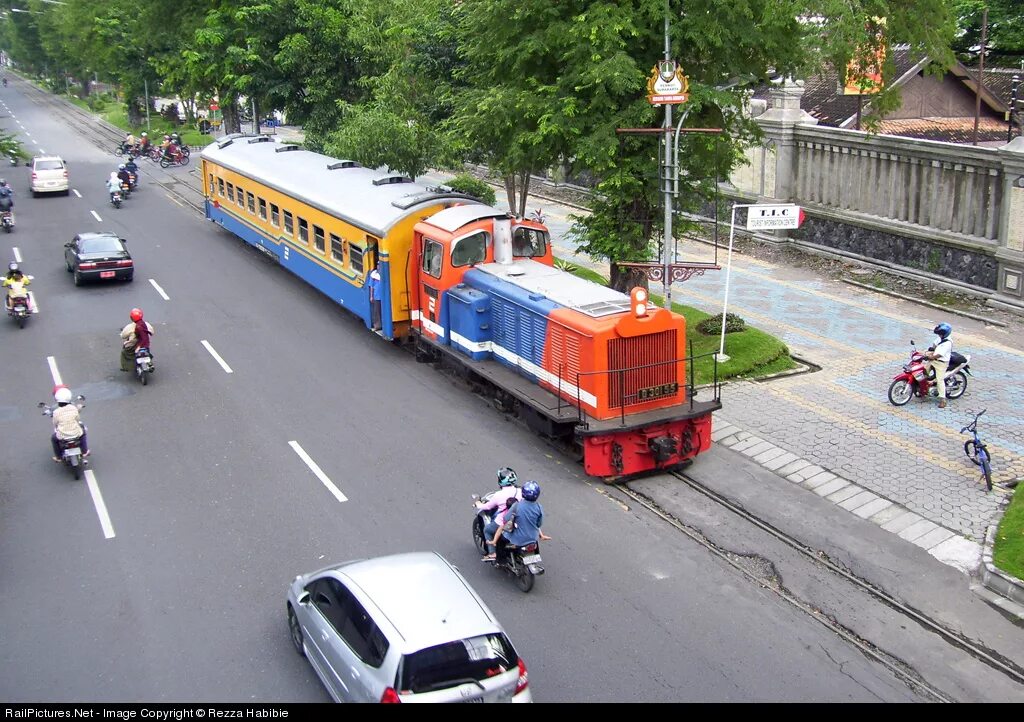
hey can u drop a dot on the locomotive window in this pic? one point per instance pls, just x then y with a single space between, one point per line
318 238
355 257
275 215
469 250
288 227
433 253
303 230
263 208
337 250
231 192
252 202
529 243
220 187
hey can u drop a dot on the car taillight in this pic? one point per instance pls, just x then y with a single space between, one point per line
34 175
524 679
87 265
127 262
390 696
65 174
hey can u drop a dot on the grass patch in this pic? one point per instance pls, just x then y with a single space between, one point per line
1008 553
751 352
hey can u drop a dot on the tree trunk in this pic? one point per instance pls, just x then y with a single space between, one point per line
525 193
626 279
136 114
510 191
229 108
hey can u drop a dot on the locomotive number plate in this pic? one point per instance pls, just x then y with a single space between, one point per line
654 392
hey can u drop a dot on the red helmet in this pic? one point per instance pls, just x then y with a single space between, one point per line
136 314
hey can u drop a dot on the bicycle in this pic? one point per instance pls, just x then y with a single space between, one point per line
977 451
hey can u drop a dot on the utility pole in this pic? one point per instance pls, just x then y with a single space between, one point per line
145 85
666 179
981 71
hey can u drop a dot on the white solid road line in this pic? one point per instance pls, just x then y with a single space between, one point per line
17 255
96 216
53 370
317 471
75 191
216 356
159 290
97 501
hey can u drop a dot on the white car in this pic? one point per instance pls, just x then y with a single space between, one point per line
49 175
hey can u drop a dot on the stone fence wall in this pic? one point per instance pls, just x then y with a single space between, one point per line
950 210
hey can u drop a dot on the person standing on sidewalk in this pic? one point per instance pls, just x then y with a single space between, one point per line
939 359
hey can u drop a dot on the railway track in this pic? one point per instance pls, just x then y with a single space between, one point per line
767 579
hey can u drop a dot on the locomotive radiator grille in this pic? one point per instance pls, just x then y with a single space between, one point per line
642 369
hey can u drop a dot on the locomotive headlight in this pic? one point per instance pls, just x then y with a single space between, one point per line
638 298
641 309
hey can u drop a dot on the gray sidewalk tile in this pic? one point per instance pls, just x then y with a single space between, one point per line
933 538
747 443
901 522
766 456
858 500
794 467
832 486
756 449
872 507
779 461
818 479
845 493
887 514
918 530
722 431
808 471
729 441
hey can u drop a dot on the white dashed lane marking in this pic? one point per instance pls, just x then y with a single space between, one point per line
317 471
96 216
75 191
97 501
216 356
159 290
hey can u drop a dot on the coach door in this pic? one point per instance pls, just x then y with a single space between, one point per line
429 287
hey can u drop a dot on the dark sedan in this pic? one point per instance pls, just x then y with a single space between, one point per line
98 257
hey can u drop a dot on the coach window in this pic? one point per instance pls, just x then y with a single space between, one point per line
469 250
433 253
529 243
213 187
263 208
220 187
252 202
240 197
337 250
275 216
303 230
318 238
288 228
355 257
231 192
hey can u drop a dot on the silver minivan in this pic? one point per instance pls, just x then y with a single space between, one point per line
49 175
403 628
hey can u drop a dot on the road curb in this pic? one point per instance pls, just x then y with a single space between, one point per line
1009 589
945 309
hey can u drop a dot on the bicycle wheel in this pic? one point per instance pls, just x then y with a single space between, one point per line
971 450
986 469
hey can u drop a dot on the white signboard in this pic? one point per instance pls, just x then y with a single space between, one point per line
774 217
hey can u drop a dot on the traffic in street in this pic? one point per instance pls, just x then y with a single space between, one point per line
277 436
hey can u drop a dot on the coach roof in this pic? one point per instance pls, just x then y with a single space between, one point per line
347 192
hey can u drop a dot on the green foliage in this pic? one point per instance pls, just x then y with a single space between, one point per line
11 146
712 325
470 185
569 267
1005 41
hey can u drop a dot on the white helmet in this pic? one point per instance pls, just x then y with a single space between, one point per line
62 395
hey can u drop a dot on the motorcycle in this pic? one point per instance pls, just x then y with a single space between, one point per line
70 449
126 149
133 180
178 158
18 310
143 364
7 219
917 379
115 199
126 189
522 562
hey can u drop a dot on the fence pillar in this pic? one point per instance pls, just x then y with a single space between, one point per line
1011 222
779 123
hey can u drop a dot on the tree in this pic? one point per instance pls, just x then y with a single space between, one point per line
1005 41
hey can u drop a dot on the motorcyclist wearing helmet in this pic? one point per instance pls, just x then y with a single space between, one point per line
132 167
113 184
67 422
16 284
135 335
123 176
527 517
939 356
144 141
507 490
6 198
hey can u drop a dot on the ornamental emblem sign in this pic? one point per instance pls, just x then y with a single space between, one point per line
667 84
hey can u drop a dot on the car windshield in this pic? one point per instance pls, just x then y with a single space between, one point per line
456 662
49 165
101 244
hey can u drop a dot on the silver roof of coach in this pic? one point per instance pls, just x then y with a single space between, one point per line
348 192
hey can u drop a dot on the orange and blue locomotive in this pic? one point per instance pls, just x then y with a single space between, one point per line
476 288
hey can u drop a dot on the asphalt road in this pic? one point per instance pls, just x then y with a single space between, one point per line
213 512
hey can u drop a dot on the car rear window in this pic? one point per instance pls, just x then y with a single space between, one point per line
103 244
454 663
49 165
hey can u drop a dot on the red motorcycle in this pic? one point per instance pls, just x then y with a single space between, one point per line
918 380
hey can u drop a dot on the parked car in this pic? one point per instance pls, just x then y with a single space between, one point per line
403 628
49 175
98 257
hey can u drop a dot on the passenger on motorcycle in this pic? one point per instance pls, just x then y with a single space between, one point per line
67 423
527 517
113 184
6 199
939 357
144 142
135 335
507 490
16 284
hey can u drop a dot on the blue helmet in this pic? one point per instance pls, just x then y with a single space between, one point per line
943 330
531 490
507 477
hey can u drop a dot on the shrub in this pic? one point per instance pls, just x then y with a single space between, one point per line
567 266
465 183
170 114
712 325
96 104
